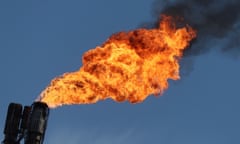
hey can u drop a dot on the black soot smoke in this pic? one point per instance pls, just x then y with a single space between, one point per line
217 23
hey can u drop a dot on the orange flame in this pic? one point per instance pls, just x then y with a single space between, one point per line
129 66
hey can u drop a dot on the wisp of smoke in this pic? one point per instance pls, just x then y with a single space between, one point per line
217 23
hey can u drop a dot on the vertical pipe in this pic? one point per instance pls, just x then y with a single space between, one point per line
37 123
12 123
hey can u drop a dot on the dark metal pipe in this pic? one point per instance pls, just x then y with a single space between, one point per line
37 123
13 118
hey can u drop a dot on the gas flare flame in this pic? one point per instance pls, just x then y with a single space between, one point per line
129 66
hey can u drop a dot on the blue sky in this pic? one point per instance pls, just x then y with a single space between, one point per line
40 40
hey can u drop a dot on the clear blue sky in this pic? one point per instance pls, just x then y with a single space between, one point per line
43 39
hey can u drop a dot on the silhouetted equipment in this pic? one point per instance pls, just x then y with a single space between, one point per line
37 123
12 122
29 124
